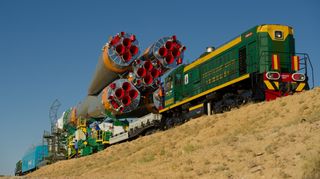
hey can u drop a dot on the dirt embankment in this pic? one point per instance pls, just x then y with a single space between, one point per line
278 139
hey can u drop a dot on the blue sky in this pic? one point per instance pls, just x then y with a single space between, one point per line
49 49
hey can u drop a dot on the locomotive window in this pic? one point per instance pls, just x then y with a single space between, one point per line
178 79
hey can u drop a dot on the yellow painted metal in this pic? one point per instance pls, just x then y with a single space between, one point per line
296 63
97 135
207 92
168 102
103 136
70 141
81 123
268 84
271 28
213 54
275 62
84 129
301 86
277 84
196 107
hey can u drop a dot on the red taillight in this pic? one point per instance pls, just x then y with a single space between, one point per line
271 75
298 77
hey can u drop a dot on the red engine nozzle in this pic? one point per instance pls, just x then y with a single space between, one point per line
114 104
126 42
169 45
126 86
126 101
148 79
133 94
169 59
115 40
127 56
174 38
163 52
141 72
120 49
176 52
134 50
112 85
119 93
138 82
155 73
148 65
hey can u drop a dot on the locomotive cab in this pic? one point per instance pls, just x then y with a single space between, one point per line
173 87
283 70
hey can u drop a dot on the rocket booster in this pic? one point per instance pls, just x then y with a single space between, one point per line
125 83
117 55
164 54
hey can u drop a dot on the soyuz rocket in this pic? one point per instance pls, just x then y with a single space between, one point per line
125 80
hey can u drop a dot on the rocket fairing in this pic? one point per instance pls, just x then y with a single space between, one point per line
117 55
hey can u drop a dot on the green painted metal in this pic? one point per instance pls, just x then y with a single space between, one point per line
87 150
266 47
173 86
106 135
226 66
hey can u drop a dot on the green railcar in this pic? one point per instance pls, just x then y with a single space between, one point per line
260 64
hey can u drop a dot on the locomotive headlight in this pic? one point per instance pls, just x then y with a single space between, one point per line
278 34
298 77
273 75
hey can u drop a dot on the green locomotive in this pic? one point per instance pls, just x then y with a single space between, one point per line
260 64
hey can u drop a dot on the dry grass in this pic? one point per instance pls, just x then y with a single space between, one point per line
312 167
278 139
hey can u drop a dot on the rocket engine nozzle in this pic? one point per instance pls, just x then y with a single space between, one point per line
141 72
155 73
148 79
119 93
133 94
126 86
148 65
126 101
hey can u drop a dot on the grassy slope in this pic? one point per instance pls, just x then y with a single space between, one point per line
277 139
